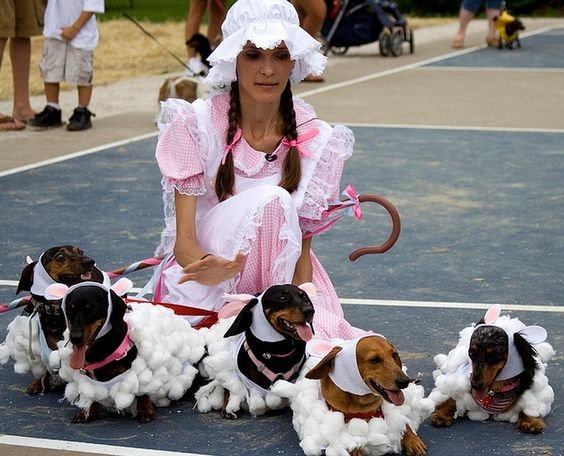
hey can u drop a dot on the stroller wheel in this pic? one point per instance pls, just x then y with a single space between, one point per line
411 42
342 50
396 42
385 43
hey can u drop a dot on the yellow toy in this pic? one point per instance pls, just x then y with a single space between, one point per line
508 28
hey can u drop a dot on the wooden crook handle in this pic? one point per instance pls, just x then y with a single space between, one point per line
396 227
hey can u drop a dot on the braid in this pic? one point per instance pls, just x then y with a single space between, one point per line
291 173
225 179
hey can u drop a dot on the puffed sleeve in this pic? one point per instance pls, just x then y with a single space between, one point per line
181 149
325 185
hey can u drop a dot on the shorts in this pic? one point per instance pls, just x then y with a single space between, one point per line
21 18
474 5
63 62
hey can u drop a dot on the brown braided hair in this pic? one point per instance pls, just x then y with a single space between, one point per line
291 168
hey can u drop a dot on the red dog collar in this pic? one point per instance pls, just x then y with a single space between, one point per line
361 415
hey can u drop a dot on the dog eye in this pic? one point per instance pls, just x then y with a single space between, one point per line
376 360
60 256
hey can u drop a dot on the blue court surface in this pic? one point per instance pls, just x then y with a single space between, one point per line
482 216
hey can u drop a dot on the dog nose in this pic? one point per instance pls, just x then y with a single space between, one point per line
402 382
88 262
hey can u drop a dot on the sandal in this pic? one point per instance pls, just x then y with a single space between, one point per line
4 118
13 125
458 43
492 42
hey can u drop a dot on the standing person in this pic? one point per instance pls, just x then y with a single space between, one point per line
19 21
71 35
468 10
312 14
196 11
249 173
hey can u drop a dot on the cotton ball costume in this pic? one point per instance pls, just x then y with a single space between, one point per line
167 350
452 376
220 366
25 341
323 431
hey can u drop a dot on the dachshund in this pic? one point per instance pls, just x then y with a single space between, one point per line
497 361
268 339
359 377
64 264
123 357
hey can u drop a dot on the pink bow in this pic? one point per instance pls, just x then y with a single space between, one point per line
229 147
354 209
298 142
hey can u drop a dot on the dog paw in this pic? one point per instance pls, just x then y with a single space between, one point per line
441 420
35 387
229 415
412 444
530 424
145 417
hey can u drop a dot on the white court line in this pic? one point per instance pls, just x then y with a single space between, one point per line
411 66
492 69
454 127
77 154
81 447
418 304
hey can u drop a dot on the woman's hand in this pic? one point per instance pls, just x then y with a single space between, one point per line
213 270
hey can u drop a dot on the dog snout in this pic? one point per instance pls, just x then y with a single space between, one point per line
308 312
402 381
76 336
88 263
476 383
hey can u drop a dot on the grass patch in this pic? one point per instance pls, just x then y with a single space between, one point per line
146 10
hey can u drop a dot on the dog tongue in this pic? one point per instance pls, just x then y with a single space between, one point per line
78 358
396 397
304 331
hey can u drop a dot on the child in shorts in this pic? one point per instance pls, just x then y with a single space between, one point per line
71 35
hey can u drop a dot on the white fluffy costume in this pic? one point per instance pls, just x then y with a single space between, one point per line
323 431
220 365
25 341
452 376
167 350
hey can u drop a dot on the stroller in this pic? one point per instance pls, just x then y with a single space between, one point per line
356 22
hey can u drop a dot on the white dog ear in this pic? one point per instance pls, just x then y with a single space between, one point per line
122 286
28 259
309 288
56 291
533 334
244 298
492 314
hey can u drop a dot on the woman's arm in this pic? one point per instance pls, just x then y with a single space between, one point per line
304 271
197 264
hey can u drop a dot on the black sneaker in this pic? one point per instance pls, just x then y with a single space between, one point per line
80 119
49 117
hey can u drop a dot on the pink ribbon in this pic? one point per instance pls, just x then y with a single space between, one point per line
298 142
229 147
354 209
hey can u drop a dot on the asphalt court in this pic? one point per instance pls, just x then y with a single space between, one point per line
482 223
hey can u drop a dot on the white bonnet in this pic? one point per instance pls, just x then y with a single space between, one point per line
265 23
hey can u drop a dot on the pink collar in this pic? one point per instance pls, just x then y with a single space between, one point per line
272 376
117 354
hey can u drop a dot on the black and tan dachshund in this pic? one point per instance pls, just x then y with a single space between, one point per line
66 264
504 363
277 326
95 336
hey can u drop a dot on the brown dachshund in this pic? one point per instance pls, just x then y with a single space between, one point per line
380 378
64 264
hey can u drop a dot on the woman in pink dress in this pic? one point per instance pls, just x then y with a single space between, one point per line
249 172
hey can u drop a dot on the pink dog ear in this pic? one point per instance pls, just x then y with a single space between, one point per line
230 309
492 314
319 347
533 334
309 288
244 298
122 286
56 291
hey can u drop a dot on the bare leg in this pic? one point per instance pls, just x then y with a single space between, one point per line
84 95
52 92
193 20
464 18
20 53
217 15
3 42
492 38
312 14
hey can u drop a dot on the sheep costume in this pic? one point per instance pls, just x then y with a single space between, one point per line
168 348
25 341
220 364
452 376
322 431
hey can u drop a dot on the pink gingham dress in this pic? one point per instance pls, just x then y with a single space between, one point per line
261 220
